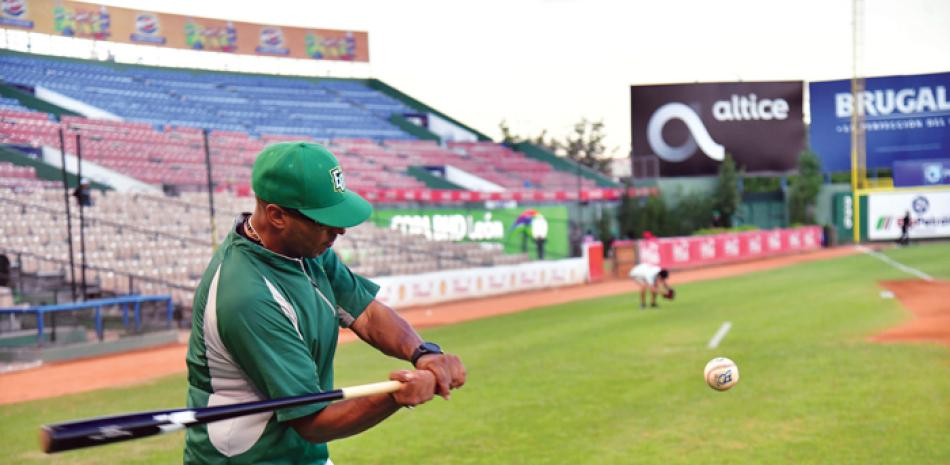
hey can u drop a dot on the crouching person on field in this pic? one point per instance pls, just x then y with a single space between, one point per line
652 278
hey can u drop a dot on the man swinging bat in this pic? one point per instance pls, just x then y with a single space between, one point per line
267 315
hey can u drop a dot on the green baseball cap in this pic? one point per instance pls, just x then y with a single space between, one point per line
308 178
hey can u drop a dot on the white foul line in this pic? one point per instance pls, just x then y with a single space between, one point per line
899 266
717 338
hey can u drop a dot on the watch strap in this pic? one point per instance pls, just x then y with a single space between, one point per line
425 348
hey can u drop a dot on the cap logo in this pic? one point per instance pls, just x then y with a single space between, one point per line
336 175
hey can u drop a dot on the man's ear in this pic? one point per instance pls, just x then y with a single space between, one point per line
276 217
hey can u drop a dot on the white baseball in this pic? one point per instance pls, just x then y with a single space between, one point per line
721 373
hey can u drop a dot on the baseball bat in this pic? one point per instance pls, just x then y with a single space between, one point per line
105 430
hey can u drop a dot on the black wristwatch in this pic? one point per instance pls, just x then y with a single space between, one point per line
425 348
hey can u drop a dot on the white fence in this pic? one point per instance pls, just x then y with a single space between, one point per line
446 286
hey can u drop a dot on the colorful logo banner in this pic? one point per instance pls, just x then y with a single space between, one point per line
16 13
100 22
83 21
148 30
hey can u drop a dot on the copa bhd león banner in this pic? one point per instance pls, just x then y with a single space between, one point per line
99 22
691 127
905 118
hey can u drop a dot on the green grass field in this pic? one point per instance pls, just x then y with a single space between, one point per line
600 382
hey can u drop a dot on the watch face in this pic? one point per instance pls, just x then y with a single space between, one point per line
424 349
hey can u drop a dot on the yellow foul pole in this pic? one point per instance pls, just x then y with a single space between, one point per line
858 154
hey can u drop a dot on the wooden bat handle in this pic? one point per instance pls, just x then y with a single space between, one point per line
384 387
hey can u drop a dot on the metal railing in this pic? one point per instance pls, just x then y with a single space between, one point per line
125 302
132 277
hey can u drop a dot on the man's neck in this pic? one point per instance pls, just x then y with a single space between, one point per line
254 234
251 232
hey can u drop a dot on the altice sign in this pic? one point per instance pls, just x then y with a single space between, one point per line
690 127
905 118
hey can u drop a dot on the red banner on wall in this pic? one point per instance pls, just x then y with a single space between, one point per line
447 195
691 252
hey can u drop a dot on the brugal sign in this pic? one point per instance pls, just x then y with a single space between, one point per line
690 127
905 118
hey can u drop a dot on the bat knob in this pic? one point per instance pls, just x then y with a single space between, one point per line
46 441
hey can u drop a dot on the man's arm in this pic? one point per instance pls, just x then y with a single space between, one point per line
383 328
666 285
349 417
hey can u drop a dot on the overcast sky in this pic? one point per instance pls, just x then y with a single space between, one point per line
545 64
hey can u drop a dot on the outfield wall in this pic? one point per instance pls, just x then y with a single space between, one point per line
447 286
690 252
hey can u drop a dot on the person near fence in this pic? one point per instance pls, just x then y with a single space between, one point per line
83 193
906 223
267 314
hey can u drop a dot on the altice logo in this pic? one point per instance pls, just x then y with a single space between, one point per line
699 136
736 108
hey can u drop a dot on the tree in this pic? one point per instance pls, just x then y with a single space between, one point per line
605 230
508 137
654 217
586 145
627 214
803 193
541 140
693 212
726 197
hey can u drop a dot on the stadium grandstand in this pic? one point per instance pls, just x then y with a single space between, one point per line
152 139
149 122
168 153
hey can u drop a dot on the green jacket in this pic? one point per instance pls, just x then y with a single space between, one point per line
265 326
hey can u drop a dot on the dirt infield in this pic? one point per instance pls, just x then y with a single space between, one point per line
930 303
140 366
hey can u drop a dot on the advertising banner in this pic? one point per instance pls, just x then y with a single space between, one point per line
690 127
842 211
444 286
454 195
905 117
690 252
17 14
129 26
512 228
911 173
929 213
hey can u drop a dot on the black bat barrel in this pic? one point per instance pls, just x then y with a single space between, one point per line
105 430
99 431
